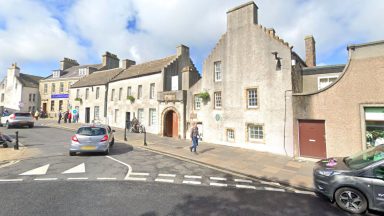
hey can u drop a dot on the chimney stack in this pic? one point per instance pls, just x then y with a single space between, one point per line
242 16
110 60
126 63
182 50
67 63
310 51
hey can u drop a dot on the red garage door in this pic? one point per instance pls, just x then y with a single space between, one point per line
312 138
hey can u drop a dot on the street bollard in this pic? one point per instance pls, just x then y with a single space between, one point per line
145 137
125 132
16 147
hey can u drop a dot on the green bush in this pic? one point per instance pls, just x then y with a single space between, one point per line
79 99
204 95
131 98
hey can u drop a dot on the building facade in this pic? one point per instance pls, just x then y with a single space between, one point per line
19 91
248 77
54 89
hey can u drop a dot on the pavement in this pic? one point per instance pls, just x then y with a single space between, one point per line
287 171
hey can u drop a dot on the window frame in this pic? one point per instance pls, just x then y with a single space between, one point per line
248 106
217 73
45 88
325 77
96 117
53 88
86 93
257 139
129 91
215 100
152 119
120 93
227 134
61 89
140 115
112 94
152 91
197 100
139 91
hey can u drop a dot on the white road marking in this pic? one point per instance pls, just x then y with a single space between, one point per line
105 178
165 180
304 192
141 174
274 189
77 169
45 179
10 163
136 179
38 171
243 180
246 186
191 176
270 183
84 178
218 178
191 182
218 184
129 167
167 175
10 180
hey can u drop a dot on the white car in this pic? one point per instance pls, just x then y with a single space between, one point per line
18 119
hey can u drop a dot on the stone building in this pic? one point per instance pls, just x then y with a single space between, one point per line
347 115
249 79
155 93
54 89
19 91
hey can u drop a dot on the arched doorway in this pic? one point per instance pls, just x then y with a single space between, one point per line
171 124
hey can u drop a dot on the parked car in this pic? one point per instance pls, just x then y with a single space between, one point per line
18 119
92 138
355 183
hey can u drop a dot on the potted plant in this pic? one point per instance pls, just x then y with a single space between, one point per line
79 99
204 95
131 98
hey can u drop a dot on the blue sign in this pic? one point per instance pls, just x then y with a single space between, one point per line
59 96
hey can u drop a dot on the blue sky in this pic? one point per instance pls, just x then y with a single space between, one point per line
37 34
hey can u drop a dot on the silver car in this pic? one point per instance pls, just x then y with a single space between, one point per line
18 119
92 138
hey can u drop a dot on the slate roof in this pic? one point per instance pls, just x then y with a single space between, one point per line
97 78
74 71
324 69
29 80
145 68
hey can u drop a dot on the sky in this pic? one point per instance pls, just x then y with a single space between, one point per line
37 34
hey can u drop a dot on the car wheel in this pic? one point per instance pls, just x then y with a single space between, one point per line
30 126
7 125
72 153
351 200
106 152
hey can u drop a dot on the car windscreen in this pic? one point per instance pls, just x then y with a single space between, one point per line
23 114
91 131
365 158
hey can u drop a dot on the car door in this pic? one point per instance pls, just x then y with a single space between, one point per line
378 186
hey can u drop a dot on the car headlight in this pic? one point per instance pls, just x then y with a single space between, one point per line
327 172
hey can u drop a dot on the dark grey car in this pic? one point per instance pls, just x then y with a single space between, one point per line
356 183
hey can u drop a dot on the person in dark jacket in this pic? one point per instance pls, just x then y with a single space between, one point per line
60 116
65 117
194 137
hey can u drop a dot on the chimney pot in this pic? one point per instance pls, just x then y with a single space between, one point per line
310 51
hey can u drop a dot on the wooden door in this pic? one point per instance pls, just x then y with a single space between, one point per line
312 138
87 114
175 125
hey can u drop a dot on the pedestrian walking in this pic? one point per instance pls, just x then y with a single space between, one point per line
194 137
37 115
60 116
77 116
65 116
69 116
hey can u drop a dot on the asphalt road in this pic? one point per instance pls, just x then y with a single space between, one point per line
132 181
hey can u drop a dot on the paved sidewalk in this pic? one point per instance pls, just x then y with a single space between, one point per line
251 163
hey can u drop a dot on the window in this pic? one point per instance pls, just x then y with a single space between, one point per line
175 83
120 93
129 91
33 97
60 105
116 115
2 97
52 105
139 91
29 109
96 113
217 100
255 132
326 81
61 87
53 88
33 109
140 115
30 97
97 92
86 93
112 94
217 66
152 91
252 98
198 101
78 93
152 117
45 88
230 135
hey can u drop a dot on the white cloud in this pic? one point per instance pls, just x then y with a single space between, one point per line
32 34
